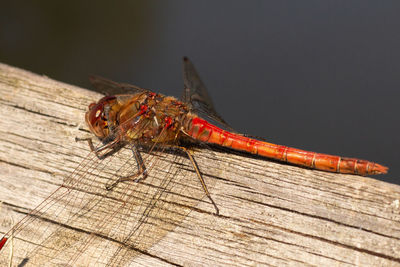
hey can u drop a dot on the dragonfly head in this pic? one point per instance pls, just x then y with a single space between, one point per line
97 117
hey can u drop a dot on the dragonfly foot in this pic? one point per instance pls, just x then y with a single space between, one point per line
143 175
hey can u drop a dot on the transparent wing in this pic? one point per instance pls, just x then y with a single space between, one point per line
109 87
196 96
84 224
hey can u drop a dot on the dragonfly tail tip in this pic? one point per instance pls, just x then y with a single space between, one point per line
379 169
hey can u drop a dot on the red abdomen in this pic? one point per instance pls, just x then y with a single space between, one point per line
204 131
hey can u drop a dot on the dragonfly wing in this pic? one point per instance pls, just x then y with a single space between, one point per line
84 224
196 96
109 87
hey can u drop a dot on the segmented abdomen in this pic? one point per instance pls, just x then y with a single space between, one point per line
204 131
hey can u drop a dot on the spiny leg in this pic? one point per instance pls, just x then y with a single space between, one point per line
142 171
203 184
90 143
113 145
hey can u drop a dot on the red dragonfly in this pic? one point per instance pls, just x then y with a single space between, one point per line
98 212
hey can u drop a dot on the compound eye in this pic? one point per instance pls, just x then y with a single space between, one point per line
92 105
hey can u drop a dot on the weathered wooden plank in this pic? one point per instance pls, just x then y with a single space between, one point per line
270 213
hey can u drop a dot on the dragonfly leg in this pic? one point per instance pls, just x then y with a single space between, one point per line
140 164
203 184
98 149
90 143
140 175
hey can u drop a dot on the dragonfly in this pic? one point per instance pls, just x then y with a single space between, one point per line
111 202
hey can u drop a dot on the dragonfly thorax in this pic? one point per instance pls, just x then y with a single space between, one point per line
147 117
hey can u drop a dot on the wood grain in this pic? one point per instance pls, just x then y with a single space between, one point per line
270 213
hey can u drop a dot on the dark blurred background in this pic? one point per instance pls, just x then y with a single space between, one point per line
316 75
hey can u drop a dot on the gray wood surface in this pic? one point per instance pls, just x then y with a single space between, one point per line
270 213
